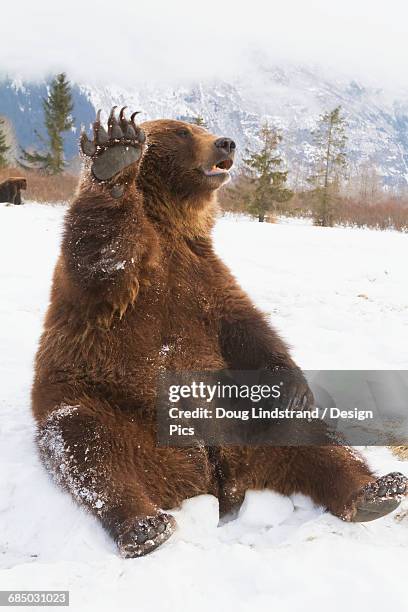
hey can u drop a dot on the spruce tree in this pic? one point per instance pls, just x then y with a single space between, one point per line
4 148
57 107
330 141
199 120
269 181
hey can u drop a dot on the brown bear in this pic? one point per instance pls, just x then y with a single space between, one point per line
10 190
137 272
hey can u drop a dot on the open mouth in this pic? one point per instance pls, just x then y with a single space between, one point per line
219 169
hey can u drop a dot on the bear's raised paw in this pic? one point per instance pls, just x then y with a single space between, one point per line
114 150
141 536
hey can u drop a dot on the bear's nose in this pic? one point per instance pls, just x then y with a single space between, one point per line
225 143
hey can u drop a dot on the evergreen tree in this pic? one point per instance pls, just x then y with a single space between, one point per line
268 179
330 140
199 120
57 107
4 148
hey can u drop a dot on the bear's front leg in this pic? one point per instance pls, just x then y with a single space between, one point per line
17 196
109 247
248 343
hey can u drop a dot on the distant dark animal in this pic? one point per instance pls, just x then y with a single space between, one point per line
10 190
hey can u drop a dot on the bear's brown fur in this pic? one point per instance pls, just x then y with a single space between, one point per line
136 273
10 190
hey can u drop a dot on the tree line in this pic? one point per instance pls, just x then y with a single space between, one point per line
261 187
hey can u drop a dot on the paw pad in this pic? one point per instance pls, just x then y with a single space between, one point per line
378 498
116 148
143 535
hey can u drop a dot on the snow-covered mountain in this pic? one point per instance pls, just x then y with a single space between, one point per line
291 98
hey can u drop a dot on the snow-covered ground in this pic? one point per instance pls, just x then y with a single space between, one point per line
339 296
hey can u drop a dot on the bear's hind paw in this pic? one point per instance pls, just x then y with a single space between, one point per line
378 498
141 536
116 149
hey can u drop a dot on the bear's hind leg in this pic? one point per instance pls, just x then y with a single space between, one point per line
80 446
335 477
338 478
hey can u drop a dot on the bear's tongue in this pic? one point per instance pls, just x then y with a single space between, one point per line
225 165
220 168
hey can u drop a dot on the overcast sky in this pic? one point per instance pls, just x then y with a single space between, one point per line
129 40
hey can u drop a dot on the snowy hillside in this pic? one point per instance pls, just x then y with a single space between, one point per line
290 97
339 297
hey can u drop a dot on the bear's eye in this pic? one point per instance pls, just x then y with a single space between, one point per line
183 133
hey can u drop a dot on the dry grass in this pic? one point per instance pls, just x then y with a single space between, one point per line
44 188
389 213
400 451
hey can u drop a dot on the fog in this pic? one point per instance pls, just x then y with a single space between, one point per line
123 43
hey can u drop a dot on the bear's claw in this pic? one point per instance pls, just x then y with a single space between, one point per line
117 148
141 536
378 498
